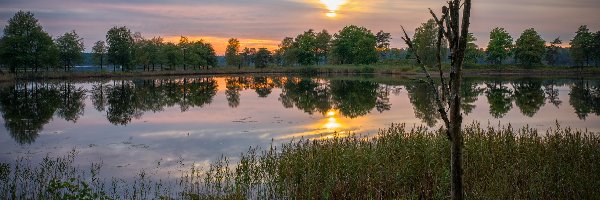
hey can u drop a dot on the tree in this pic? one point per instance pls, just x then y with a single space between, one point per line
25 44
99 53
201 54
248 55
263 58
120 47
154 48
70 46
322 45
383 43
141 51
472 53
581 50
455 30
231 53
595 48
499 47
552 51
354 45
287 54
425 40
305 45
172 54
529 48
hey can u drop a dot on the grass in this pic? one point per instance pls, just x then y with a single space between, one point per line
399 162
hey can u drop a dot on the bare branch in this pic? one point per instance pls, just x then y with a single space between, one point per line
441 107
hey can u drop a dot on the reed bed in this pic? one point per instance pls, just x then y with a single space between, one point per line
397 163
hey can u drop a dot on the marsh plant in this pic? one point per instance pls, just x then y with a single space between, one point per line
398 162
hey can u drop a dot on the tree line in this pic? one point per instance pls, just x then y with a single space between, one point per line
25 46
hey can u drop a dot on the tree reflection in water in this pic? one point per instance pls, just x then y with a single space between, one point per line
27 107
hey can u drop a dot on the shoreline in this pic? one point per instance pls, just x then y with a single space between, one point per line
354 70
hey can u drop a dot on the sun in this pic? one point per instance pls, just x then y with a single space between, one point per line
333 6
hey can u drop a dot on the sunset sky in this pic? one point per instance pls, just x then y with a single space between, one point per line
263 23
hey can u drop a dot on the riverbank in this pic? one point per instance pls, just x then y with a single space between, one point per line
400 162
401 70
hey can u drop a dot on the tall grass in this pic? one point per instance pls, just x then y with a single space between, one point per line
399 162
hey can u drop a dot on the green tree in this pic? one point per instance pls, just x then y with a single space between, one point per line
172 54
322 45
263 58
354 45
383 43
25 44
581 51
595 48
120 47
425 40
99 53
232 56
141 54
472 52
552 51
154 48
287 54
530 48
201 55
305 44
70 48
499 47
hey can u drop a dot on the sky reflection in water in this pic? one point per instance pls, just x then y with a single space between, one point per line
131 124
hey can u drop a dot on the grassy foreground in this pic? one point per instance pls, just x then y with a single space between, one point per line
399 162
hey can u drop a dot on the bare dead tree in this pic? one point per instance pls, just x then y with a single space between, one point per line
455 30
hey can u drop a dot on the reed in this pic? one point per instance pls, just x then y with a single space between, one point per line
398 162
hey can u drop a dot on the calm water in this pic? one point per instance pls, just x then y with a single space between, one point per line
133 123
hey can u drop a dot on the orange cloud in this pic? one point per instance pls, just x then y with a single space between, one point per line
220 43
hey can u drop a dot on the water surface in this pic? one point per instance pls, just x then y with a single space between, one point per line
130 124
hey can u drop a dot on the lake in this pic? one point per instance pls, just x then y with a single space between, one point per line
130 124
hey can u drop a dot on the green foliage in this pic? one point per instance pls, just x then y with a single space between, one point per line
172 54
499 47
595 48
530 48
74 190
308 48
354 45
120 47
232 57
70 49
472 52
425 43
263 58
99 51
581 46
26 45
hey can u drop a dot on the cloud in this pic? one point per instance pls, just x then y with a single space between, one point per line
272 20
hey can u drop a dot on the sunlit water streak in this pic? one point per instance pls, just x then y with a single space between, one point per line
199 119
